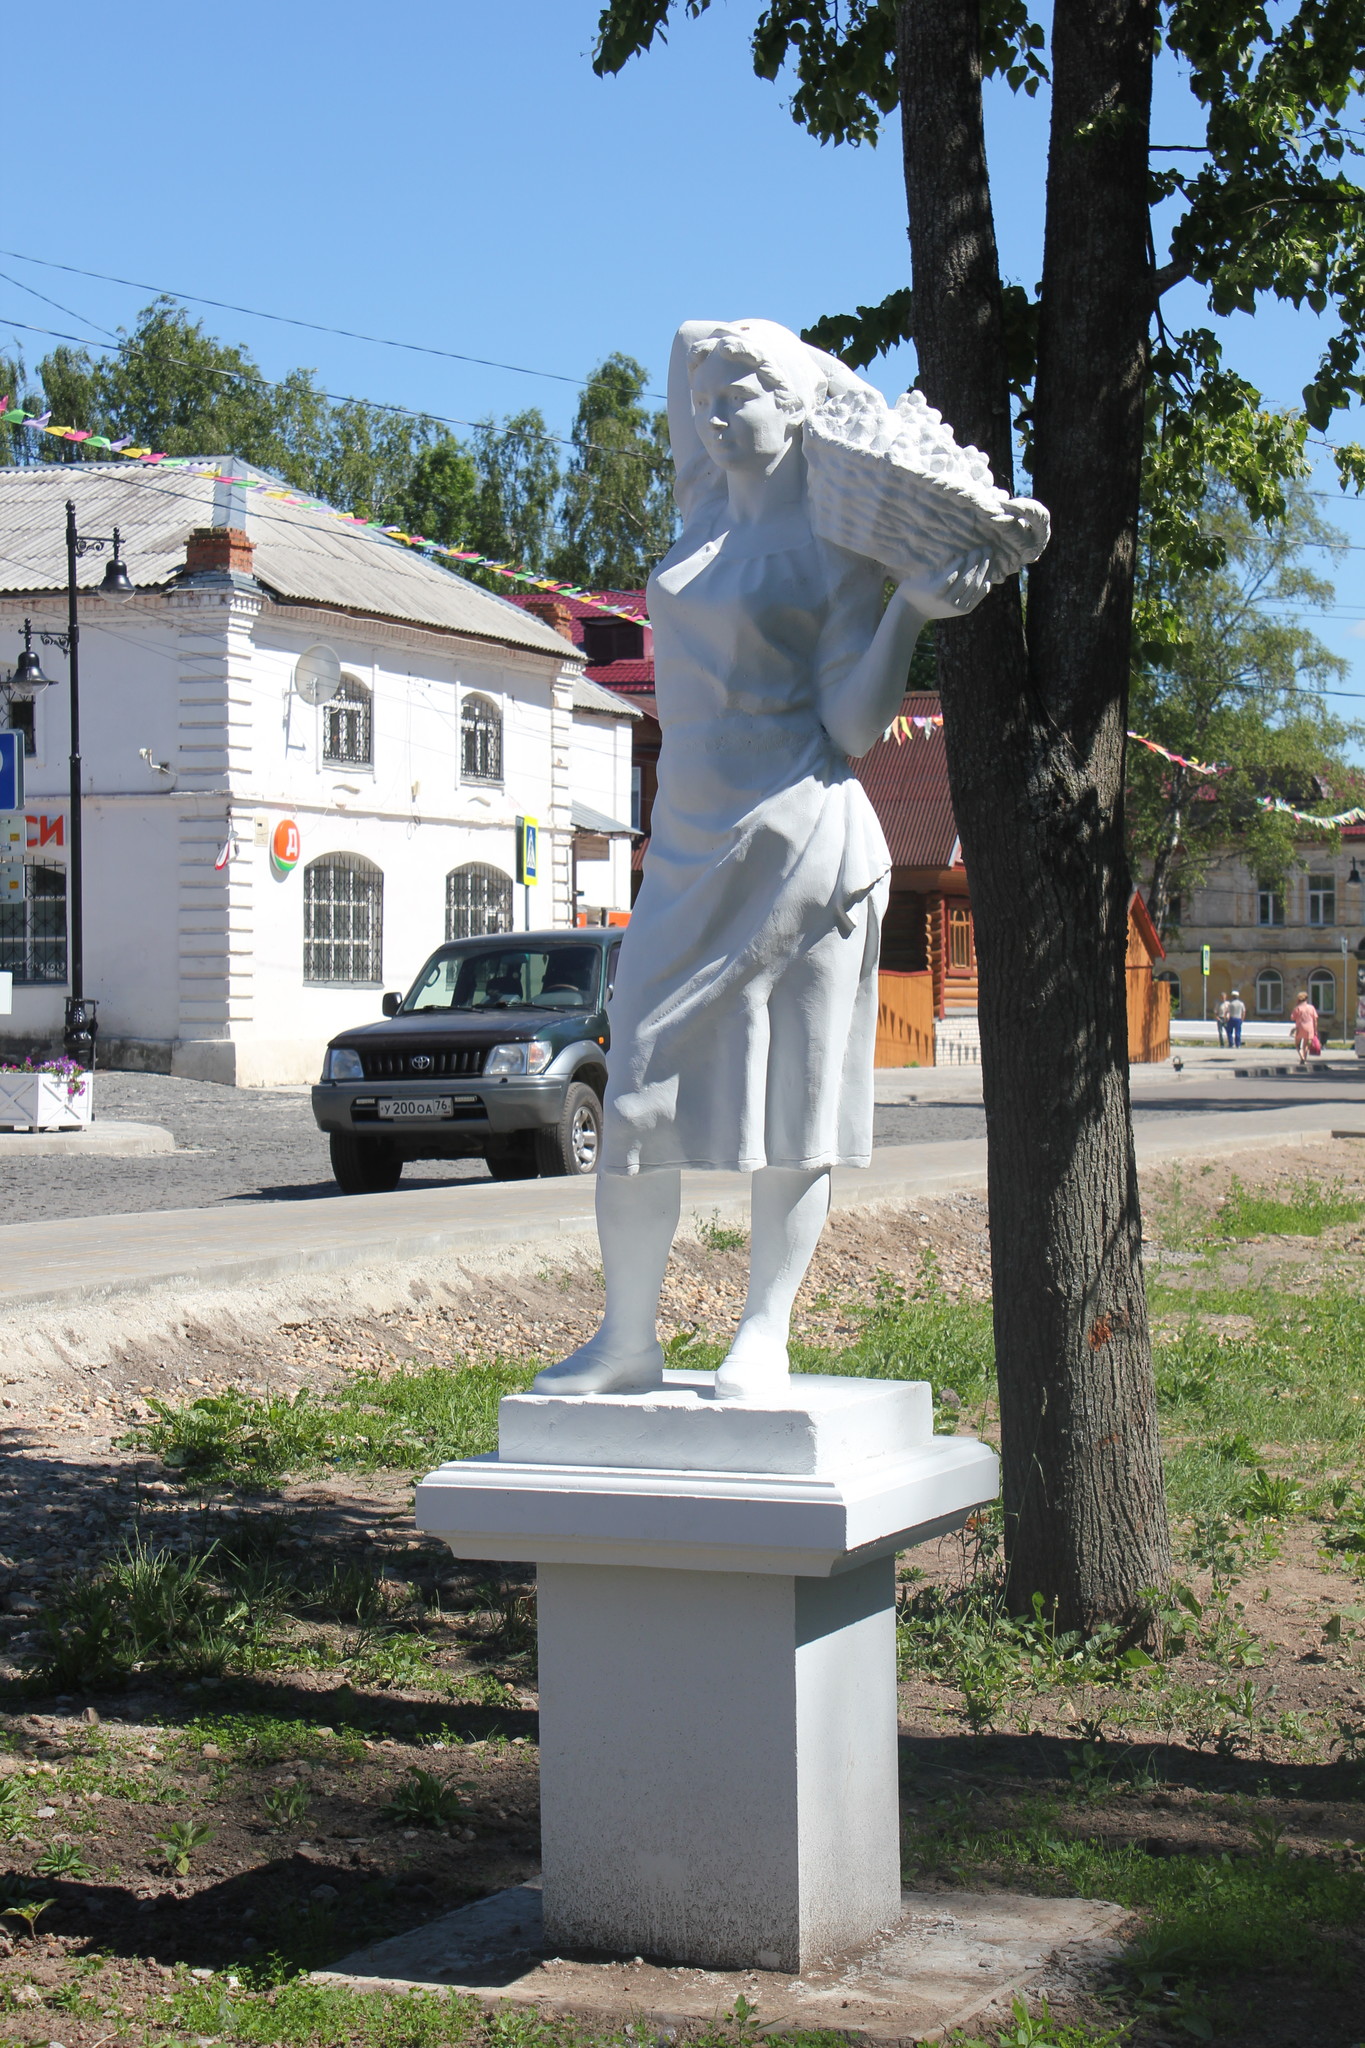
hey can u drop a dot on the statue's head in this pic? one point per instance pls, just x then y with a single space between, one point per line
752 385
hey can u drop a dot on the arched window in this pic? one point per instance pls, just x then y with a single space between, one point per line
1172 981
478 900
33 933
1322 991
1269 993
961 948
480 740
343 919
348 725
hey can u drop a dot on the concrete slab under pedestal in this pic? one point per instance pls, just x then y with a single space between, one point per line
820 1424
949 1959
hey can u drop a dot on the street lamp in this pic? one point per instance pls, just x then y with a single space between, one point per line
81 1024
1352 880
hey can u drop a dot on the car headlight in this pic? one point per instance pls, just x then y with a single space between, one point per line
342 1064
531 1056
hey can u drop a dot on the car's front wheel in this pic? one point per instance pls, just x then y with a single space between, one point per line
574 1144
364 1166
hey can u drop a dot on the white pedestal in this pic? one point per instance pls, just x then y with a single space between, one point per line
717 1651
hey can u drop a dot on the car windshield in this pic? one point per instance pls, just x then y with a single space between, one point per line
509 978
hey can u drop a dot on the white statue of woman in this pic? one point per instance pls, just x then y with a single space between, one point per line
745 1004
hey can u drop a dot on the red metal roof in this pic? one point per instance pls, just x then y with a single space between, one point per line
908 785
614 675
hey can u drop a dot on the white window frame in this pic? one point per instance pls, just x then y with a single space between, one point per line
1273 899
1316 979
1322 896
1275 1009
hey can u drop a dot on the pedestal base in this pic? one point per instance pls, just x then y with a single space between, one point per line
717 1651
718 1762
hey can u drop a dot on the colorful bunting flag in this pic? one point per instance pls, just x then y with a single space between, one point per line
1182 760
39 423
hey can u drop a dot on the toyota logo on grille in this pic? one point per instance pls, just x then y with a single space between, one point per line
420 1062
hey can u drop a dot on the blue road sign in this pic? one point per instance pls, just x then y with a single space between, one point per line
11 771
527 849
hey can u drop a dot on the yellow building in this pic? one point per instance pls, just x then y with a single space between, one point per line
1267 942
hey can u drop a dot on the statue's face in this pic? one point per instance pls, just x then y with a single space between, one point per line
739 420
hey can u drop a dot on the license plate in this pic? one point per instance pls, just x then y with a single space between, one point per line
416 1105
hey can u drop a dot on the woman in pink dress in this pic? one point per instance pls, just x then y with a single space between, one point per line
1304 1019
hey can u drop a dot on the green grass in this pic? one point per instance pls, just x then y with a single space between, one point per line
1309 1211
1210 1915
299 2014
272 1739
369 1422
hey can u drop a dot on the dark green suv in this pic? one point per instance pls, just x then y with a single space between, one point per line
498 1050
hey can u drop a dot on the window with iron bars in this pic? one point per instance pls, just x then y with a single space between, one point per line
33 933
478 900
480 740
343 919
348 725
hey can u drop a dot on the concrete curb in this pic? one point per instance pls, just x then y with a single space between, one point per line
79 1293
107 1138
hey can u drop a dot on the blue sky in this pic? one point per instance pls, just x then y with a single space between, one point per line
454 175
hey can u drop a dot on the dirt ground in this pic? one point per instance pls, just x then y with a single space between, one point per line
330 1868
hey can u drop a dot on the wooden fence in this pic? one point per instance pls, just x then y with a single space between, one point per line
905 1020
1149 1015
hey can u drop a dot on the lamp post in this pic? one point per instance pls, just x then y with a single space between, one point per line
81 1023
1353 880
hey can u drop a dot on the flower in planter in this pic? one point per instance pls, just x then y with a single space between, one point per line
68 1072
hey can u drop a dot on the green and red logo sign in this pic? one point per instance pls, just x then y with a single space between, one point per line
285 846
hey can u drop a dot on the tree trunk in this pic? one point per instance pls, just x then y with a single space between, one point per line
1034 727
1164 864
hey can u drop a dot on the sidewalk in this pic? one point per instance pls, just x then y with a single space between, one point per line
51 1265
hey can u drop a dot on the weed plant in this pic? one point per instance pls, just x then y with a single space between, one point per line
421 1799
718 1236
967 1638
147 1608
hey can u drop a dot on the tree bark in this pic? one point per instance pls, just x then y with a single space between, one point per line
1035 715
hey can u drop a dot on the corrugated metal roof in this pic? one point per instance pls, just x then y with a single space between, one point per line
590 696
585 819
908 785
301 557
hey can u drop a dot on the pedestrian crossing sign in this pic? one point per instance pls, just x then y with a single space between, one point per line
528 832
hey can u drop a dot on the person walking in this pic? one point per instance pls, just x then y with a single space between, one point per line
1237 1011
1222 1012
1304 1019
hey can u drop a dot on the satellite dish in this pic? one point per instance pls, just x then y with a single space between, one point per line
317 675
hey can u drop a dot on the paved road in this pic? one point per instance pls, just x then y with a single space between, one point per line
241 1145
251 1145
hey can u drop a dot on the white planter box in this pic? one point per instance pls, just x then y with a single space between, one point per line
39 1102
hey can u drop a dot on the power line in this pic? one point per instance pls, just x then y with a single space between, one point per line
332 397
314 326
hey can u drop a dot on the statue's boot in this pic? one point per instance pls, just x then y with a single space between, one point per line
590 1370
754 1372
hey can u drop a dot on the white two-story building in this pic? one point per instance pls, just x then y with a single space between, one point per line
259 866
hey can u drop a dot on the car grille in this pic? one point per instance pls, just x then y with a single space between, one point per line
437 1062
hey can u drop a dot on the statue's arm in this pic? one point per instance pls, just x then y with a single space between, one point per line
695 476
860 694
